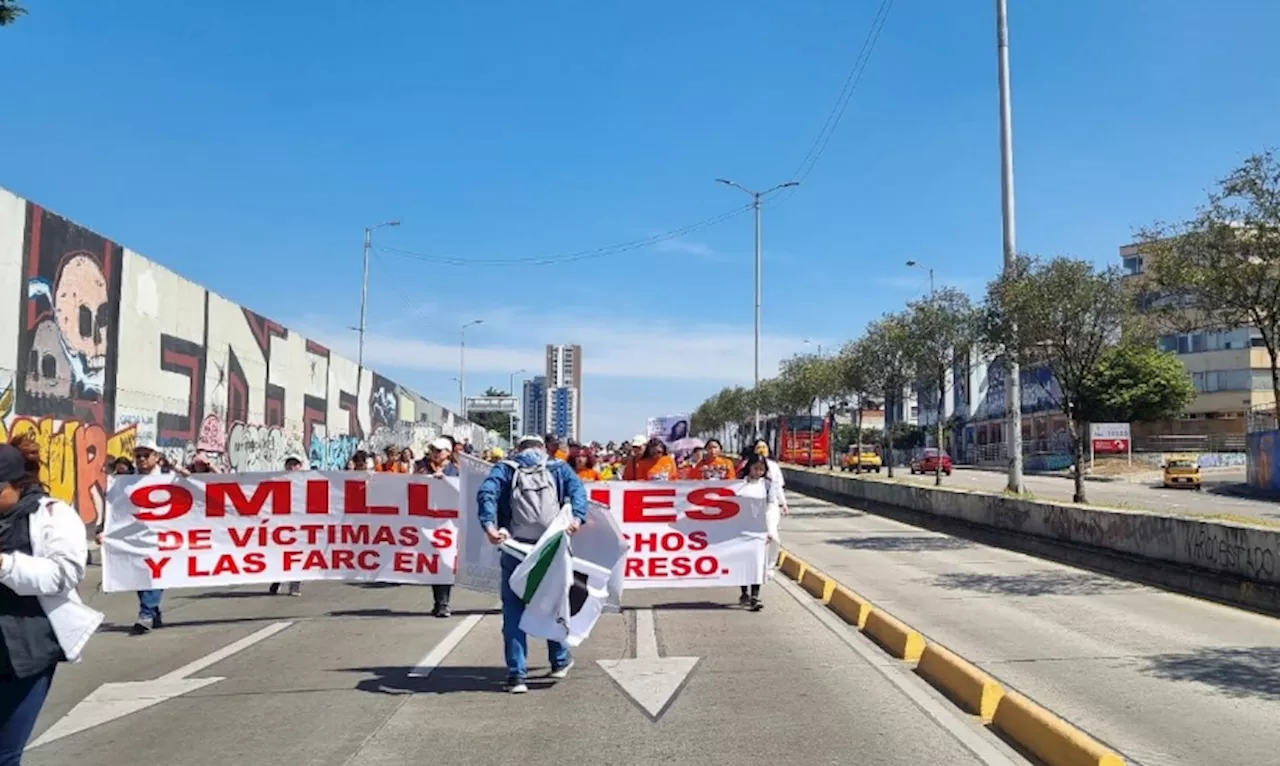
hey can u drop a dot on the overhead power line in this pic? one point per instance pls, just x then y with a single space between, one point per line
569 257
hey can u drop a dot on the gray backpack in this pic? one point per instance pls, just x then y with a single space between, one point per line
535 501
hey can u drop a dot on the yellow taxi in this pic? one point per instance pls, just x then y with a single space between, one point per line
868 460
1182 472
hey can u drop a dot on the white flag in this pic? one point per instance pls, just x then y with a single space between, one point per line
563 595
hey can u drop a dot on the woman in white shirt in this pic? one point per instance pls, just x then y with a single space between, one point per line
42 622
758 484
775 475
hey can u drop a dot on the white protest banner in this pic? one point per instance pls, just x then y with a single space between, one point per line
669 428
479 561
167 531
687 534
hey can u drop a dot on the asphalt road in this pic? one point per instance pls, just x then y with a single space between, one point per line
1164 679
1148 495
329 679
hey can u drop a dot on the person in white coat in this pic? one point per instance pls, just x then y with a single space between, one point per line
758 484
42 621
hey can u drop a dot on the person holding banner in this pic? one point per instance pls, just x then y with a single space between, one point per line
714 466
146 459
42 622
520 499
291 463
758 484
654 464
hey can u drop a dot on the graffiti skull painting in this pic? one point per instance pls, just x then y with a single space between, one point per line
68 320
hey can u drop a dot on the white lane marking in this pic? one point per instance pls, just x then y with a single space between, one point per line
978 741
650 680
213 657
116 700
441 650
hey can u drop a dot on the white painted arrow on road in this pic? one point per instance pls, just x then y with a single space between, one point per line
116 700
651 680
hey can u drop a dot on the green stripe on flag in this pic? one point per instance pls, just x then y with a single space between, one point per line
540 567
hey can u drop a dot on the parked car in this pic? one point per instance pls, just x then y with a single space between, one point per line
928 462
1183 472
868 460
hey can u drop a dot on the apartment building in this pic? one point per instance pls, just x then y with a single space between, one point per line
564 371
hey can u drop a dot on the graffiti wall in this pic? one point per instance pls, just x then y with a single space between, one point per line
101 348
1263 451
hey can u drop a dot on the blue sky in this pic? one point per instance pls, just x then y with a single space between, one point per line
247 149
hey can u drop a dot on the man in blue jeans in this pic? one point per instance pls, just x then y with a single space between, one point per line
519 499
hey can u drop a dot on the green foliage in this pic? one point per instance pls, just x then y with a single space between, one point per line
495 421
1221 268
1134 383
10 11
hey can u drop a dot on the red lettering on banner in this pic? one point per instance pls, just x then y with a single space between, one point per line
698 540
707 566
255 563
356 501
317 496
174 500
168 540
284 536
337 558
157 565
639 506
640 542
680 567
344 559
384 536
216 494
441 538
420 504
712 504
409 537
200 540
225 564
413 562
660 567
369 561
240 537
600 495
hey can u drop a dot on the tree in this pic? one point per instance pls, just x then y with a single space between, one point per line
885 356
1221 269
855 375
1136 383
940 328
1065 315
495 421
10 11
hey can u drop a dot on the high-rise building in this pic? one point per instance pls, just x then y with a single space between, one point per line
562 409
533 406
564 370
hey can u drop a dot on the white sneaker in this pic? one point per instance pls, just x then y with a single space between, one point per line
562 672
518 688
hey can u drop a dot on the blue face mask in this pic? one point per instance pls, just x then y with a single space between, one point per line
538 453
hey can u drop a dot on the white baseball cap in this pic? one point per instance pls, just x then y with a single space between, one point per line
442 444
530 440
639 441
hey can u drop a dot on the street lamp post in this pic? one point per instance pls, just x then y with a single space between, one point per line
364 286
755 204
511 424
919 265
1013 372
462 365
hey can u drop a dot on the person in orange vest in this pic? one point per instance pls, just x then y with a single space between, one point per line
714 466
584 464
654 464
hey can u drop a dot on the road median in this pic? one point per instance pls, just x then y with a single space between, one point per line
1226 561
1018 719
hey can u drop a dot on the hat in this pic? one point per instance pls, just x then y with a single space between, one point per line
13 465
442 444
530 440
146 444
639 441
497 453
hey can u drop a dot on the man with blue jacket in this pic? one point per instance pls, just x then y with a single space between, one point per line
519 499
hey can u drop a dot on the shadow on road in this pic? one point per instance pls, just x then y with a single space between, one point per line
905 543
827 512
688 606
383 612
230 594
1236 672
443 680
1034 584
169 624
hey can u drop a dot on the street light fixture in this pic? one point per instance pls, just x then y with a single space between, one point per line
462 365
919 265
755 203
364 285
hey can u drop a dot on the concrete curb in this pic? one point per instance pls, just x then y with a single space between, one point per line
969 687
1028 725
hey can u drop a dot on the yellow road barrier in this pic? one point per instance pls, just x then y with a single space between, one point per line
1047 736
851 607
900 639
792 567
970 688
817 584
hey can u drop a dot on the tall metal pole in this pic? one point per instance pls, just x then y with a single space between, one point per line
462 371
756 204
364 294
1013 379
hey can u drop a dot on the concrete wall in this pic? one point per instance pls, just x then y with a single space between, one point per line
1234 551
1264 451
100 347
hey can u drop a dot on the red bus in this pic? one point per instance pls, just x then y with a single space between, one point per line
800 439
